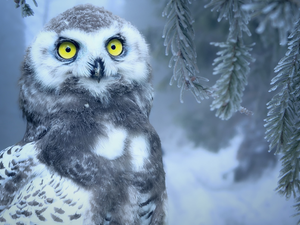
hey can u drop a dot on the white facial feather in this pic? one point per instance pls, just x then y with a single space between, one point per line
134 66
51 72
48 70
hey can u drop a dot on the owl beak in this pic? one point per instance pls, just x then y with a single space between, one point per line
97 70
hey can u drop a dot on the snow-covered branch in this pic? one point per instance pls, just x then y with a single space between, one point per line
283 123
179 35
233 61
280 14
26 9
282 115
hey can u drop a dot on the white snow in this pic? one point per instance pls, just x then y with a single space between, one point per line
202 191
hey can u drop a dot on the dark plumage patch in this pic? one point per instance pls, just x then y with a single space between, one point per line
149 214
59 210
22 202
14 216
20 223
56 218
42 193
33 203
148 201
26 213
75 216
49 200
68 201
27 196
39 212
41 218
36 193
9 174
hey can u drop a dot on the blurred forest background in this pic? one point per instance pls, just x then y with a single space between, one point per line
218 171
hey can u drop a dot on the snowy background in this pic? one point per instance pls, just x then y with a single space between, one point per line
210 183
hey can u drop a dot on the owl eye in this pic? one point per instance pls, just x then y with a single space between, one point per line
115 47
67 50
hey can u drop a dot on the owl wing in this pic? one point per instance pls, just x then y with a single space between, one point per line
151 177
152 211
15 169
31 193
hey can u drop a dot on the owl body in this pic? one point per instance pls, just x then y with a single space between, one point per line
89 154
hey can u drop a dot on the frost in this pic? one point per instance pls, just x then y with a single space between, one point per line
282 122
279 14
26 9
286 78
178 33
232 63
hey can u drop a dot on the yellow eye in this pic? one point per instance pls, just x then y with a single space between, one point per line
115 47
67 50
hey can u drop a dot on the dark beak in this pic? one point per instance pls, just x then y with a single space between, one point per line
97 70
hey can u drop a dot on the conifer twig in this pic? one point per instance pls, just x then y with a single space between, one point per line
179 35
280 14
233 61
283 119
26 9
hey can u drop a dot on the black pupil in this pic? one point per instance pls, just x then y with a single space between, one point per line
113 47
68 49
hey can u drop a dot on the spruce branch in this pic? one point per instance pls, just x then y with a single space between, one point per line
283 119
283 106
179 34
26 9
280 14
289 182
233 61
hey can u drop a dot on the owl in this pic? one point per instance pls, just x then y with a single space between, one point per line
89 154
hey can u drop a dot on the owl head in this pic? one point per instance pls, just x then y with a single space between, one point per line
85 51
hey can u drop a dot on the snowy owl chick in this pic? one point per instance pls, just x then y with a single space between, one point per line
89 154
